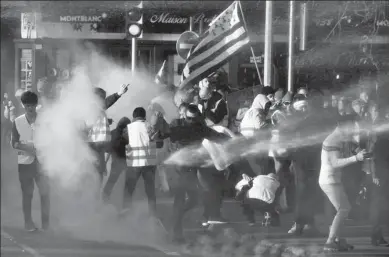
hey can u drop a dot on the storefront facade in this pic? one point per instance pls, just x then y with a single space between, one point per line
47 37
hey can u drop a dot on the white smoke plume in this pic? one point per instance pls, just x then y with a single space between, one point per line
68 161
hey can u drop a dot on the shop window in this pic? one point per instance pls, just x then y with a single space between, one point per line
26 69
144 59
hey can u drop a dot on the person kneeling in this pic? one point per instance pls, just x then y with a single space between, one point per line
259 193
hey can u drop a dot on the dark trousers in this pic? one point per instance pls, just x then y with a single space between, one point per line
379 208
118 165
353 178
211 183
185 196
249 206
306 197
148 174
28 174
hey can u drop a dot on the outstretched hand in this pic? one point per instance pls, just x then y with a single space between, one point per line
123 89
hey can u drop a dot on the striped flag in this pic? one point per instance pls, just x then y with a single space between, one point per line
224 38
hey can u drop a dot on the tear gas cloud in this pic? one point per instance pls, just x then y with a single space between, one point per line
68 161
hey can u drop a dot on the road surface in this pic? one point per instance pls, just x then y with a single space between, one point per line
16 242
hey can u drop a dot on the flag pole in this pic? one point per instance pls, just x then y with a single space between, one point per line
251 48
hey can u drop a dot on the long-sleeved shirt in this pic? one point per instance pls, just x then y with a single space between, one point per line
111 100
331 159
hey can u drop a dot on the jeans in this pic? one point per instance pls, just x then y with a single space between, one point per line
185 196
28 174
148 175
211 185
337 196
379 208
118 165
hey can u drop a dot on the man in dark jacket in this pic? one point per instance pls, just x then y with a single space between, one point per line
186 132
306 165
212 105
117 149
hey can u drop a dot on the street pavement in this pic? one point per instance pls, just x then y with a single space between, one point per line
16 242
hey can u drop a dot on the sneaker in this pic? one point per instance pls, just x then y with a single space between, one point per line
331 247
30 227
217 221
296 229
343 245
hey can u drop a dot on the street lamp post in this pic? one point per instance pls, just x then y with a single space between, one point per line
268 64
303 26
291 46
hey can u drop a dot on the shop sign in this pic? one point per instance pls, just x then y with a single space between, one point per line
169 22
80 18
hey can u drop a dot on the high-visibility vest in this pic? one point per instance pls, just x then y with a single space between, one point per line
100 131
140 151
26 132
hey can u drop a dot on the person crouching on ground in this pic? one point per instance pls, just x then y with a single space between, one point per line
259 193
28 166
330 179
99 135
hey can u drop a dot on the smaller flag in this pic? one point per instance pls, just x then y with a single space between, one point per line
161 77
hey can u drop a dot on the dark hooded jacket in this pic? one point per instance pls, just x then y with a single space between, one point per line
118 144
214 108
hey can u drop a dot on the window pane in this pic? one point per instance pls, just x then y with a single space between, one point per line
25 79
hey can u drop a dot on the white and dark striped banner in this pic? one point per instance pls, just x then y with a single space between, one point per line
225 37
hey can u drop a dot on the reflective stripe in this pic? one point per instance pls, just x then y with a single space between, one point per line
140 151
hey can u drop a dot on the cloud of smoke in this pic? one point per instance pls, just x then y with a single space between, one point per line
67 160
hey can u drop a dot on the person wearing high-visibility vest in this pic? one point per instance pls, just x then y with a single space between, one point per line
141 157
22 140
99 133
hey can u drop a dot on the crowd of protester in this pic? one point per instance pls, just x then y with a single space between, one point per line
341 154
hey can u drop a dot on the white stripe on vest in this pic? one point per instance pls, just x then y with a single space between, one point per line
26 132
100 131
140 151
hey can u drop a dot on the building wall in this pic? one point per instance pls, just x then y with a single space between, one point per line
9 31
